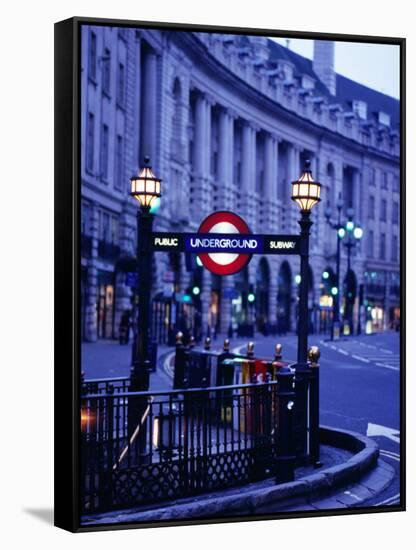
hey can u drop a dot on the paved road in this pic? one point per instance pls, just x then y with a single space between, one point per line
360 385
360 391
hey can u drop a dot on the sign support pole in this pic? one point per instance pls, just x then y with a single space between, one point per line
305 226
141 364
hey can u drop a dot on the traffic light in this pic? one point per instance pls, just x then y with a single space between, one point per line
251 297
196 290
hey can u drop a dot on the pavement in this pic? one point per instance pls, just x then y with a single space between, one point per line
360 392
352 475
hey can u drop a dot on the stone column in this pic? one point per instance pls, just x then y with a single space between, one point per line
271 182
202 156
149 107
122 291
248 175
225 159
294 173
359 214
92 289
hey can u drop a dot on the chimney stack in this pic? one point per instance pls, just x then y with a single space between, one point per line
323 63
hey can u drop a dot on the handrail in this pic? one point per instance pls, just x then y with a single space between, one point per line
181 391
98 380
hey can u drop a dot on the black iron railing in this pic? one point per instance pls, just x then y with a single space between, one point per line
140 448
105 386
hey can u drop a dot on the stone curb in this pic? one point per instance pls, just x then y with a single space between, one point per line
315 485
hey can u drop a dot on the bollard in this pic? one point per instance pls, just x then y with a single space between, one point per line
278 352
226 346
250 349
207 343
191 341
286 403
180 377
313 356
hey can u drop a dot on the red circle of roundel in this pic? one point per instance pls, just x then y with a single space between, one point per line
241 260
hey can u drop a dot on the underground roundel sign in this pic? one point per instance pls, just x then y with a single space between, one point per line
224 263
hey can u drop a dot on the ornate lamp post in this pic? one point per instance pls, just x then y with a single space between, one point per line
145 188
335 328
306 192
353 234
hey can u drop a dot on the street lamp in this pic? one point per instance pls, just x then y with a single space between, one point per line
306 192
354 234
146 189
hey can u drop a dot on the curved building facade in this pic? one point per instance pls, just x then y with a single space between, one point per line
228 122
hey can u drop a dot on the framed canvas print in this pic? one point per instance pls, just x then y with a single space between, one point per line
229 279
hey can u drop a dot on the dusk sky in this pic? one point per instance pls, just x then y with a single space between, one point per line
375 65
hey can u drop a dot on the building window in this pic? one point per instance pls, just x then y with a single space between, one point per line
103 225
372 177
92 58
371 207
118 172
106 60
360 108
120 85
396 184
114 230
104 153
383 213
394 248
85 218
370 244
90 143
382 246
384 118
385 181
395 215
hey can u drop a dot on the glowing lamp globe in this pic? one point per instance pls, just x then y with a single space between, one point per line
306 192
146 186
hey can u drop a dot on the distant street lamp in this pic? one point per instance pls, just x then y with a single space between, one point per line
353 233
146 189
306 192
335 291
354 236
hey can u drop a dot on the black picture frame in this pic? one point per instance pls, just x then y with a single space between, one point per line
67 267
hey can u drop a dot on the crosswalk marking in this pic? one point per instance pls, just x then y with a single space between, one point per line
366 353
